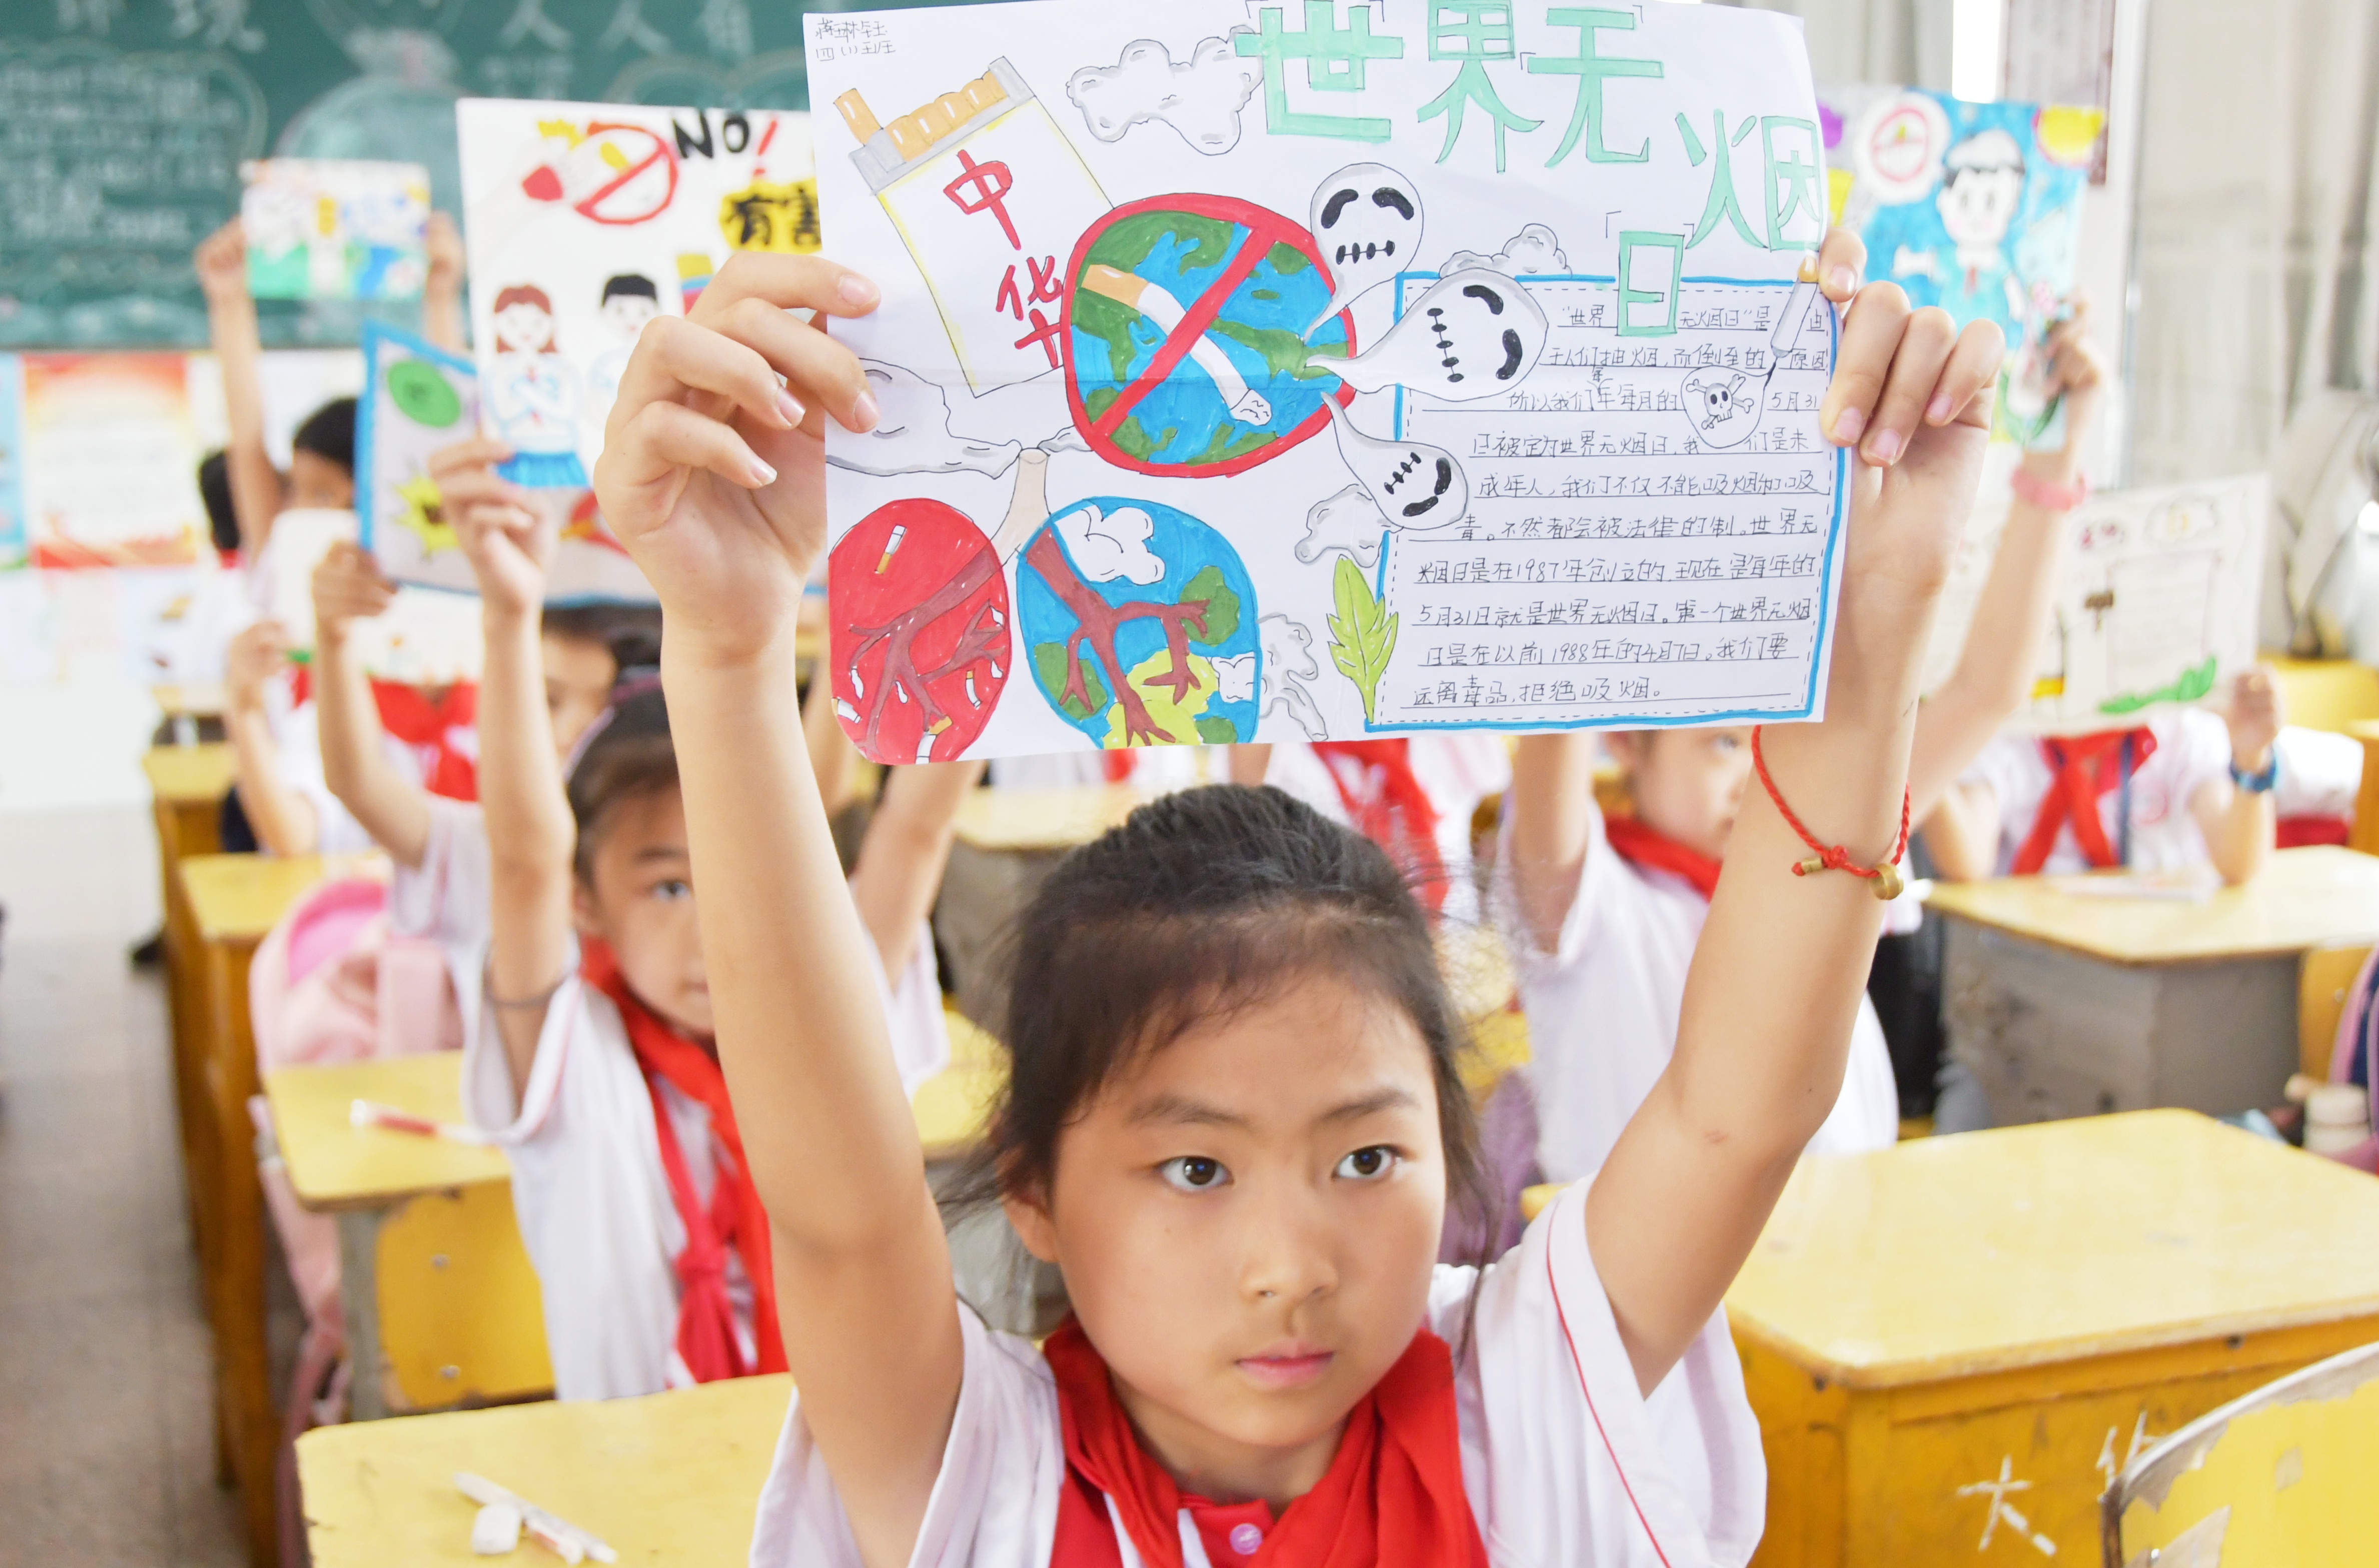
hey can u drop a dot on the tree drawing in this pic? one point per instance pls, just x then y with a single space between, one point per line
1099 622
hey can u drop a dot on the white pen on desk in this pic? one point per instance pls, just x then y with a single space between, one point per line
1796 308
554 1531
370 1112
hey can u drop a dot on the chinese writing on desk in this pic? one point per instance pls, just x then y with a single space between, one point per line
848 38
1652 533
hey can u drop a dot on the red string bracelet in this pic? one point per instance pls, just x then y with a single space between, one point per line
1833 857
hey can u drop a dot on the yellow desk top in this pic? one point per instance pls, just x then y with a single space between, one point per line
2303 898
179 774
239 898
334 1164
668 1478
192 702
2326 694
1951 1257
1045 819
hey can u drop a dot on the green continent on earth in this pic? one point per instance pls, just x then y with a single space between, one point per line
1049 665
1130 241
1221 607
1284 354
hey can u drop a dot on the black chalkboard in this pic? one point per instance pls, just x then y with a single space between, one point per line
123 123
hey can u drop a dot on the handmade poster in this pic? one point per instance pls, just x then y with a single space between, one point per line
2155 603
424 638
584 221
109 462
1973 207
1303 371
334 228
420 399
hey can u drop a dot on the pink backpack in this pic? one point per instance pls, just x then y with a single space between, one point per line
2358 1031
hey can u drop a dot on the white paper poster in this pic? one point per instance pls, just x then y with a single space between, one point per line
584 221
1316 370
335 228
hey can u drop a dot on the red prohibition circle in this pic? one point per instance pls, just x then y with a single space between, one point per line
662 152
1266 228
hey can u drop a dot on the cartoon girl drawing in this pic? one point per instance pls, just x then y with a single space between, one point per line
532 394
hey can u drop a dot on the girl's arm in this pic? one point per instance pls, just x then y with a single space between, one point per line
1553 808
1250 762
530 837
1962 834
1994 675
442 293
832 756
283 819
256 488
901 861
1777 977
392 808
713 476
2239 826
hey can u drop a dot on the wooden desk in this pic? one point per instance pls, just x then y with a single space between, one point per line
668 1478
2326 694
2364 834
2066 1007
200 701
1013 820
234 901
440 1301
186 786
2033 1305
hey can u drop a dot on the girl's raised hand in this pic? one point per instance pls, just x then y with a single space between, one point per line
712 471
347 587
505 532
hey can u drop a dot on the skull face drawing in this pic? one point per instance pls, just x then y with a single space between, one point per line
1721 405
1367 223
1474 335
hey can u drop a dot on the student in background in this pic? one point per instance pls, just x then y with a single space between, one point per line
1416 797
1607 914
589 1025
1234 1115
438 842
2191 787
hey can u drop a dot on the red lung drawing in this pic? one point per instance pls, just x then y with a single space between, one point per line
919 612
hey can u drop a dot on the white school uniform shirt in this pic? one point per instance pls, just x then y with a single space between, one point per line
2192 749
588 1189
1602 1014
1456 772
2321 773
297 731
448 898
1566 1464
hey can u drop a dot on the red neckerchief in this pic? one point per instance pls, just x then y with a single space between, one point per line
1392 1497
1650 850
1116 764
1386 803
2080 769
706 1320
432 727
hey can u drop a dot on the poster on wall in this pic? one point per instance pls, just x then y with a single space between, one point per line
2155 602
1297 371
109 461
417 400
335 228
1973 207
584 221
12 463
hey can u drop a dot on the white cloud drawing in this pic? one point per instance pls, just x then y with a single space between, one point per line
1349 522
1235 678
1200 97
1106 548
1288 663
1534 249
913 435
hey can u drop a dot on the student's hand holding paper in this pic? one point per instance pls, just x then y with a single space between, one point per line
2253 714
506 535
253 659
347 587
221 260
712 471
2077 372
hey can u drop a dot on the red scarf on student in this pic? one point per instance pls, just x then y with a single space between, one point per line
1392 1497
437 729
1653 851
1386 802
2080 769
706 1320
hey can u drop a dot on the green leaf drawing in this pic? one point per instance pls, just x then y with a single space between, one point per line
1362 634
1221 607
2193 683
1049 666
1217 730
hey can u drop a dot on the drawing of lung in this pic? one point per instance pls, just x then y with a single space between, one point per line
1185 354
1721 405
1474 335
1367 218
913 435
1141 624
918 611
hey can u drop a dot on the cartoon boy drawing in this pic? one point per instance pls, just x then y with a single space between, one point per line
1982 186
630 299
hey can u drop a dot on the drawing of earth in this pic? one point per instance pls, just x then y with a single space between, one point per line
1139 623
1183 357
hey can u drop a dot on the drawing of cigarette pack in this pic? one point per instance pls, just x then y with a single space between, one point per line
989 196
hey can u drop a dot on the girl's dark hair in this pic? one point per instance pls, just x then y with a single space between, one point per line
631 632
630 759
215 489
329 432
1203 902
